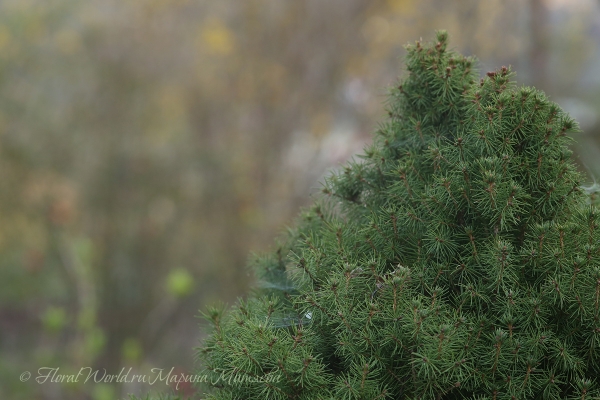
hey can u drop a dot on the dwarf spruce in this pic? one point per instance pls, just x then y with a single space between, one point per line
457 258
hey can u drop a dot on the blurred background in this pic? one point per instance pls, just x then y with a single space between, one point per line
147 146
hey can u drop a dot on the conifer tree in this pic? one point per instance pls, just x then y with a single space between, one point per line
457 258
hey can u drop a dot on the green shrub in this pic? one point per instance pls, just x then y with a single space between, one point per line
457 259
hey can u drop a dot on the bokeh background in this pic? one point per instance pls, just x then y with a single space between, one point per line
147 146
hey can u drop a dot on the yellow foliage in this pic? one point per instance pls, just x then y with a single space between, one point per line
402 6
217 37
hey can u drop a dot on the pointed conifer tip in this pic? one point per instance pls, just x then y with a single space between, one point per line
442 36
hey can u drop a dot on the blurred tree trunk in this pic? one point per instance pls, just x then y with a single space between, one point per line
539 44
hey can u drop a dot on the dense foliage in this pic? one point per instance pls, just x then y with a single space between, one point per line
457 259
